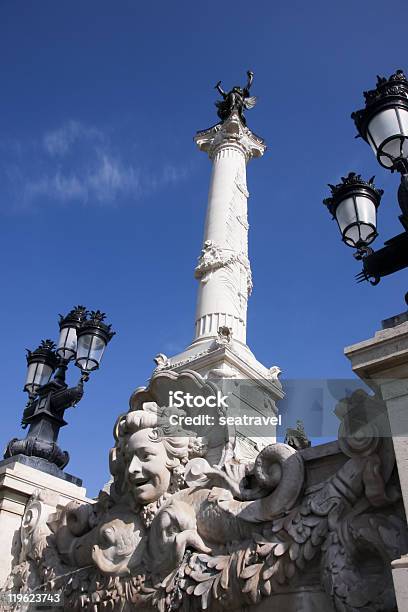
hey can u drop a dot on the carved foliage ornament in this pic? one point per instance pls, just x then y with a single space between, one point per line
213 258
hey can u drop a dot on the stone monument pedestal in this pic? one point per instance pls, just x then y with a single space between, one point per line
254 389
18 482
382 362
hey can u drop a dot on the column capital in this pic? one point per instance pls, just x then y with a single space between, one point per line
230 133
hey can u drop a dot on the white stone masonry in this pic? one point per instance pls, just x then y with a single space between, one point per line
223 269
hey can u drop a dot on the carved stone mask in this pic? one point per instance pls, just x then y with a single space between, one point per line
147 472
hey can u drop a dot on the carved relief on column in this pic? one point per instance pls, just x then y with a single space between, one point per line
213 258
233 274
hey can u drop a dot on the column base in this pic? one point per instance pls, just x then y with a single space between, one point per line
208 326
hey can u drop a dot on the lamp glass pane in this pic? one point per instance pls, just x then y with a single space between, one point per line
403 117
67 343
38 374
357 227
345 213
391 151
29 383
386 161
90 351
384 125
366 210
352 236
371 143
367 233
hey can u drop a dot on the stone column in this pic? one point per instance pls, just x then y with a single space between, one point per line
223 268
382 361
219 352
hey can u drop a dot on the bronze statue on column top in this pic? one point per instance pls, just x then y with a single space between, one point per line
237 99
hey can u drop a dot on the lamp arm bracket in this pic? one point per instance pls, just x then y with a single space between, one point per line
363 251
28 412
387 260
66 398
403 200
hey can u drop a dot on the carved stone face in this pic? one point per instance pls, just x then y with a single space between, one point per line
147 474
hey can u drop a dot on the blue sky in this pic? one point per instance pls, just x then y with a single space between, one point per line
103 194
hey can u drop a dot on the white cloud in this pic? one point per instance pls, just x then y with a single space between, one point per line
77 163
102 181
58 187
58 142
173 174
110 178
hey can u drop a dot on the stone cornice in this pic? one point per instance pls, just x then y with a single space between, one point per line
22 480
386 351
245 370
231 132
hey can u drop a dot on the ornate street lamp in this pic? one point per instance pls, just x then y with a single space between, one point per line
353 203
383 124
41 365
69 326
50 397
93 336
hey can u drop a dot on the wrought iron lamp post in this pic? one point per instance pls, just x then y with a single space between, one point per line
383 124
83 338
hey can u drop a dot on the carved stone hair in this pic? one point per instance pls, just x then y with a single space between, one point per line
175 440
180 444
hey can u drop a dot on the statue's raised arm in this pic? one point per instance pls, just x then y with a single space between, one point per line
220 90
250 75
236 100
